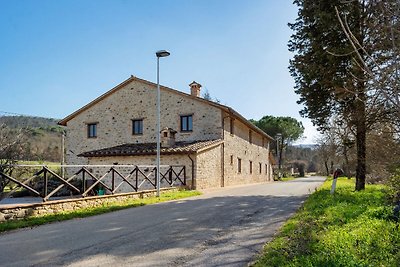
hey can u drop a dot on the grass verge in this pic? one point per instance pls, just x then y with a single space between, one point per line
106 207
289 178
347 229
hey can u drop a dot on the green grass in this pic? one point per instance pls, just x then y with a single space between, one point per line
107 207
347 229
289 178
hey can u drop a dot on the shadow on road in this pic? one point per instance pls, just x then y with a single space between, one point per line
218 231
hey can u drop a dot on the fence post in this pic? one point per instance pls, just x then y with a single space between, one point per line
83 180
184 175
45 181
136 185
170 175
112 179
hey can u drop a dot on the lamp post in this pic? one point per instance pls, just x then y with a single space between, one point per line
161 53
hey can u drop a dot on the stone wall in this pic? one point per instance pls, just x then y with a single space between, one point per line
22 211
137 100
237 146
208 168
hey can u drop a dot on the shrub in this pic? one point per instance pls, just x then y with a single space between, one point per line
394 184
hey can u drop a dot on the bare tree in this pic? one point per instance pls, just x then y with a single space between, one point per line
382 65
12 148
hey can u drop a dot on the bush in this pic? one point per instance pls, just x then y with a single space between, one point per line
394 184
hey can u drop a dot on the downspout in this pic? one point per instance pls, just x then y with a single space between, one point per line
192 186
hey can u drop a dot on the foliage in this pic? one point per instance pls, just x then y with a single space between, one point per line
107 207
289 128
350 228
12 147
332 75
300 165
42 136
18 122
207 96
394 184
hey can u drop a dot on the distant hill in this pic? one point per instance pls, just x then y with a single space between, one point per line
28 122
43 136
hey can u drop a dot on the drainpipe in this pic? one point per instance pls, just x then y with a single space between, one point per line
192 186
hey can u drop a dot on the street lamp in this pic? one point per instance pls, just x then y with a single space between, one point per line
161 53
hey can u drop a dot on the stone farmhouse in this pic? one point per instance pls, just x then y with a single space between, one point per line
218 146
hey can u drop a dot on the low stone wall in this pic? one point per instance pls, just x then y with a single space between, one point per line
22 211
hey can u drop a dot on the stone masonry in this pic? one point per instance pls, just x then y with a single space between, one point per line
242 157
22 211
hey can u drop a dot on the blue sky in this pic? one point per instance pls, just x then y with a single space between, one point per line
56 56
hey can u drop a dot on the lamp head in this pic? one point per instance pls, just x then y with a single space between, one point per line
162 53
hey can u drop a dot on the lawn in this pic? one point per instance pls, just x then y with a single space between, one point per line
347 229
107 207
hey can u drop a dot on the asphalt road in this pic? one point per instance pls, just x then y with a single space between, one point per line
223 227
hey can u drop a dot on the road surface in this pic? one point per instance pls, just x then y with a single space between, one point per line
222 227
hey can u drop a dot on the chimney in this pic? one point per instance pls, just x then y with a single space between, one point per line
195 89
167 137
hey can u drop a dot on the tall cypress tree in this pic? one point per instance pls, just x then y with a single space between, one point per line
328 77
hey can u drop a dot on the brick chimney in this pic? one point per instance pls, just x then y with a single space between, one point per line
195 89
167 137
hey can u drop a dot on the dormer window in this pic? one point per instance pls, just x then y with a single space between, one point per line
186 123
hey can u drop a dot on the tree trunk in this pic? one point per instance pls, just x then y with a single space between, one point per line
346 161
361 140
326 167
360 104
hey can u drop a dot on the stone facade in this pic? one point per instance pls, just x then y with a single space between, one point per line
135 99
251 149
209 168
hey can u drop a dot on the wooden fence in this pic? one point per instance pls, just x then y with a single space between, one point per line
84 182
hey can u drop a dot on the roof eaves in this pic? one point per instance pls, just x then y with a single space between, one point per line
215 144
248 123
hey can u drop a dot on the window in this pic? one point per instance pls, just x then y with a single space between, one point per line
266 169
92 130
231 159
250 137
187 123
239 165
232 127
137 127
251 167
260 167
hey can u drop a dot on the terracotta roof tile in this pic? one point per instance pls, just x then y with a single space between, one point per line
151 149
